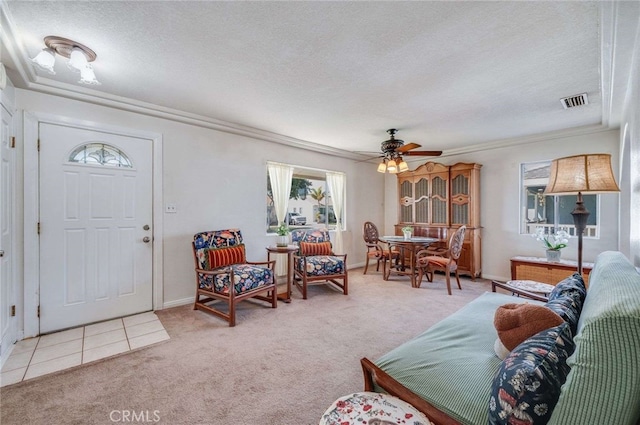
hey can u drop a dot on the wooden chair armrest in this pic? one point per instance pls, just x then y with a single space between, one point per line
523 293
269 264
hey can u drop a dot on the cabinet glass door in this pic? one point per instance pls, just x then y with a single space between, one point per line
439 200
460 200
422 200
406 202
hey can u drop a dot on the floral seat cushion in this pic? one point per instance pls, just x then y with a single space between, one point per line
372 408
246 277
321 265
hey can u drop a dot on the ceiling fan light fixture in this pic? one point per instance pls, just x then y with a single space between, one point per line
402 166
382 167
392 166
45 60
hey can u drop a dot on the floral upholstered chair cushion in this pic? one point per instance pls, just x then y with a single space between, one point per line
527 385
223 250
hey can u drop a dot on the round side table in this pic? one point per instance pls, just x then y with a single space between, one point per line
372 409
289 250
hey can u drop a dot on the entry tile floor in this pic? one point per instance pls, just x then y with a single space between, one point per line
61 350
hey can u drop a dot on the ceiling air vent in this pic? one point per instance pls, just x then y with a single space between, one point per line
573 101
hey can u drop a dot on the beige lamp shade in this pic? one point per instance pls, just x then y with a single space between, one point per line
589 173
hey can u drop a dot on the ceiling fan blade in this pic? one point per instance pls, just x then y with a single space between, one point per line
408 147
423 153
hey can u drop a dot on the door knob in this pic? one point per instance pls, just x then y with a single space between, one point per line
146 227
146 239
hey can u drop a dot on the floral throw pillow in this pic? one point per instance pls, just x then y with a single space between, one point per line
527 385
567 299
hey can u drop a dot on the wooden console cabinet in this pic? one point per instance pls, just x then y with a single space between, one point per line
541 270
436 199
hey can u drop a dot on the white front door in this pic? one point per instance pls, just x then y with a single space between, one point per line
7 290
95 226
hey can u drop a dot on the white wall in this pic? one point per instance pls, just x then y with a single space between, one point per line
630 163
500 199
218 180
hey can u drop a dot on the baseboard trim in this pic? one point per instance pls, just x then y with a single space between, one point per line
178 303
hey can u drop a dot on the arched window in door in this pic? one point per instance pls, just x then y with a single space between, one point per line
97 153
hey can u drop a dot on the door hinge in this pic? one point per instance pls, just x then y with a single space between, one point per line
38 228
13 310
38 311
13 142
38 145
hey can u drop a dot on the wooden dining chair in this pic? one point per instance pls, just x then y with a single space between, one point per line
446 261
376 250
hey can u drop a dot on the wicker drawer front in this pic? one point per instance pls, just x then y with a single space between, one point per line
544 272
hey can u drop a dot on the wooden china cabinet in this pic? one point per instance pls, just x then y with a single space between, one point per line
436 199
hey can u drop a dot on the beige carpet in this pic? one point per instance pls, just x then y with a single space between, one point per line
277 366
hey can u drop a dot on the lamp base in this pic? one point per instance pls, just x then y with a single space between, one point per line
580 215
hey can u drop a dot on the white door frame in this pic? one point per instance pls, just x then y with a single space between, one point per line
32 121
10 251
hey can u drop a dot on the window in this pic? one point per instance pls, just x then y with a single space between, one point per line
551 212
310 202
100 154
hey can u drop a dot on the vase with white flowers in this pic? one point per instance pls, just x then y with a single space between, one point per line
407 231
553 242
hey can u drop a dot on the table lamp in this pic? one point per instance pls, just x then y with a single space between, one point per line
581 174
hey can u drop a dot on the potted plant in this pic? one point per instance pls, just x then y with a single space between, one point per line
283 234
407 231
553 243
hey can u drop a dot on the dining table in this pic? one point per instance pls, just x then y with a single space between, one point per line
408 248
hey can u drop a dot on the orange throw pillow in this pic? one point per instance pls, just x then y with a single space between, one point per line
315 248
222 257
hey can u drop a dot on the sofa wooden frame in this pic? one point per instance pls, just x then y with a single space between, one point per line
374 376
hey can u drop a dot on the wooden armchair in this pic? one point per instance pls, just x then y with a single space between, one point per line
223 273
375 249
446 261
315 261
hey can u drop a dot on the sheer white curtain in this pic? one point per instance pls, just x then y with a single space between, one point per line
336 183
280 176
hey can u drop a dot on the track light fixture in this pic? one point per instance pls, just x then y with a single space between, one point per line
79 56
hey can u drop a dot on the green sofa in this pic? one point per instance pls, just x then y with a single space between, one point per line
448 371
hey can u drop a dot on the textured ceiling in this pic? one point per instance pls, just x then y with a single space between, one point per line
447 74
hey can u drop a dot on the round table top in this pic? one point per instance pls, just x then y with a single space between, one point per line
531 286
288 248
413 239
374 409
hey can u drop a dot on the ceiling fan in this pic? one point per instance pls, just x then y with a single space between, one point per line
394 149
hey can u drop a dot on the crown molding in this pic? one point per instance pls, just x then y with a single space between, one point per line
47 86
527 140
